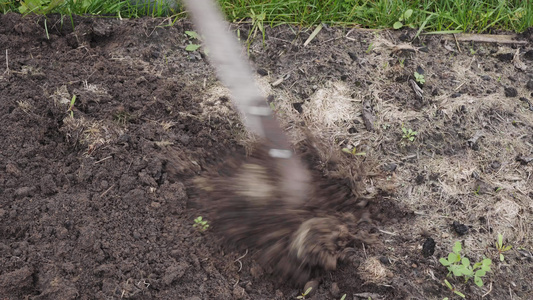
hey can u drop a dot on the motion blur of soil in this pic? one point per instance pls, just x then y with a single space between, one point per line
97 199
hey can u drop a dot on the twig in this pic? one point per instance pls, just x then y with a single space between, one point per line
457 43
387 232
105 192
490 290
106 158
7 63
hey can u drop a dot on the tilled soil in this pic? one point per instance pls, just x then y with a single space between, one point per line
98 195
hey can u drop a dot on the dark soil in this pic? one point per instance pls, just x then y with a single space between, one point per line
98 205
98 200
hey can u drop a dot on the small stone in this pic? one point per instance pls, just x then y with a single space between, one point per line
461 229
12 170
529 85
389 167
248 287
48 185
528 55
298 107
155 204
353 56
24 191
313 284
428 248
505 56
335 290
456 95
510 92
384 260
239 293
262 72
414 265
256 271
445 235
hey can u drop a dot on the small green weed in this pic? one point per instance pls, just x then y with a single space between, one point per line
201 224
353 151
403 18
304 294
409 134
191 47
452 288
257 25
71 107
460 266
501 247
370 47
402 62
419 78
38 6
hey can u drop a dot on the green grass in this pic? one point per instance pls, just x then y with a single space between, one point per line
478 16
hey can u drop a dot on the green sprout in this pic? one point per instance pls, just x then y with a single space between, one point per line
501 247
201 224
71 106
460 266
419 78
404 17
452 288
353 151
257 25
191 47
304 294
409 134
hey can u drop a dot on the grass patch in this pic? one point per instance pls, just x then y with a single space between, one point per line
443 16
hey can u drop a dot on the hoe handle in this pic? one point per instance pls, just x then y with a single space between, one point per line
233 69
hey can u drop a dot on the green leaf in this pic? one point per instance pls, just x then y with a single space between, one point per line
480 273
407 14
192 47
487 262
466 271
452 258
444 262
466 262
456 271
448 284
459 294
457 247
397 25
502 258
478 281
507 248
192 34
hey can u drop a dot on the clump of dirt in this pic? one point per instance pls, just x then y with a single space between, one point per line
98 200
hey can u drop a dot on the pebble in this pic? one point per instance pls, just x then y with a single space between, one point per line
313 284
510 92
428 248
335 290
